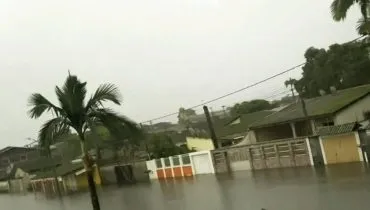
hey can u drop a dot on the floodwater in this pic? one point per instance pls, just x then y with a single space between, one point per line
339 187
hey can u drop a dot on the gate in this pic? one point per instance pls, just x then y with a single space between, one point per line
288 153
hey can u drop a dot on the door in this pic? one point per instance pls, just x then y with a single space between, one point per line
341 149
202 164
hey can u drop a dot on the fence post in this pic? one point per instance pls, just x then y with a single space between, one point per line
277 154
250 157
291 150
263 157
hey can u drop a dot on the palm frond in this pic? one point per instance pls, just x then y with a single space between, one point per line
363 27
105 92
119 126
40 104
71 98
339 8
51 131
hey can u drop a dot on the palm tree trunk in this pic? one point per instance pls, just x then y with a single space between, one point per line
90 175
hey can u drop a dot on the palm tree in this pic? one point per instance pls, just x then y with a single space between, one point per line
73 113
339 10
290 82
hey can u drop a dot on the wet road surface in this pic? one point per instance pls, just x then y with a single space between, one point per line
339 187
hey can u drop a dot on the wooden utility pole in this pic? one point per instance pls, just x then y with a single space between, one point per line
303 103
210 127
292 89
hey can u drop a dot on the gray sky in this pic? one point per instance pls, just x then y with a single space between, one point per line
162 54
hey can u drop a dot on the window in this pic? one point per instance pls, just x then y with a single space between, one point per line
176 160
185 159
167 162
23 157
158 163
328 123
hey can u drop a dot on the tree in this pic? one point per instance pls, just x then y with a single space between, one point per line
183 116
290 82
341 66
339 9
161 145
73 113
250 106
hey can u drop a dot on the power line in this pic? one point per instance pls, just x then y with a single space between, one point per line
241 89
229 94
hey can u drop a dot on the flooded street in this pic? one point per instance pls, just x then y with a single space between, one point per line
339 187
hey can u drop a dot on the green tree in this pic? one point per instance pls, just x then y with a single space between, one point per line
291 83
339 9
73 113
341 66
183 116
161 145
250 106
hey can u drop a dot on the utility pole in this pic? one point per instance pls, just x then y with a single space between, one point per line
210 126
303 103
292 89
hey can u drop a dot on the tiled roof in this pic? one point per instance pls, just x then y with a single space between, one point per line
62 170
319 106
337 129
245 121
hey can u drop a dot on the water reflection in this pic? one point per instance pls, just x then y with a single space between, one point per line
336 187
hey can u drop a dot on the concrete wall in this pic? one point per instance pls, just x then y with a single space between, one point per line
107 175
199 144
139 171
240 165
4 186
196 163
354 112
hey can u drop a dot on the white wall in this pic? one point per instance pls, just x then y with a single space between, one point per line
202 162
150 165
354 112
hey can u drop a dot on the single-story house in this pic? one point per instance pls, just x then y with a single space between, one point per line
340 107
18 175
71 177
237 130
230 132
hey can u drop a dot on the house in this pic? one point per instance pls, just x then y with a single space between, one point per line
340 107
198 137
71 177
18 175
237 130
228 132
10 155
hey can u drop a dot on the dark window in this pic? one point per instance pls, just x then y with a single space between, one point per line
158 163
23 157
167 162
176 160
185 159
328 123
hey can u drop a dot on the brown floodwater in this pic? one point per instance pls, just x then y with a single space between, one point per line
339 187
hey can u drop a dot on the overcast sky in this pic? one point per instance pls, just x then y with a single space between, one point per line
162 54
